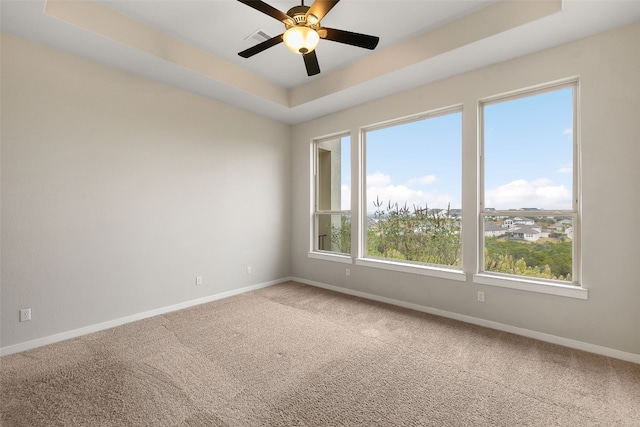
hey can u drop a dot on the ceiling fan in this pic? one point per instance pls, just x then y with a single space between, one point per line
303 31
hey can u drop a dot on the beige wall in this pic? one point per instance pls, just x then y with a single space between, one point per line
117 192
608 67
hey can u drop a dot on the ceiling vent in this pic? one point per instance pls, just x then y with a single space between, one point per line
258 36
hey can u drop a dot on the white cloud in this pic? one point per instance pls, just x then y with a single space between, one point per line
568 131
565 169
422 180
380 186
378 179
541 182
529 194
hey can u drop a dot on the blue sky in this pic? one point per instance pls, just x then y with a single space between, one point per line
411 163
528 155
528 152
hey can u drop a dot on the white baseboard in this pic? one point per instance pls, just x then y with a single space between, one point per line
16 348
578 345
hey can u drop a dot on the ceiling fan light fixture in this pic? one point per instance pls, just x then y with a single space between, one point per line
301 39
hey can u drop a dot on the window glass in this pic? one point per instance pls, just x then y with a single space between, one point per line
529 208
528 152
334 233
533 246
414 189
332 228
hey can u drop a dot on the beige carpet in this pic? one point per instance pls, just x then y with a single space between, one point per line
294 355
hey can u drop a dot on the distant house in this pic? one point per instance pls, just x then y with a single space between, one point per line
526 233
563 225
445 213
494 216
513 222
440 213
569 232
523 221
455 213
491 229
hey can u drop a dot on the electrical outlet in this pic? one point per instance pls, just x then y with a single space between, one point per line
249 269
25 314
198 280
348 272
480 296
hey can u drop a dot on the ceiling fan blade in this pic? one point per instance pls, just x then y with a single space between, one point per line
311 62
267 9
347 37
261 46
320 8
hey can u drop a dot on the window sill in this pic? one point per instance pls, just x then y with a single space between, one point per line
423 270
345 259
570 291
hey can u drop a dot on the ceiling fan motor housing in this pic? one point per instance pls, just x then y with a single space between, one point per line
299 16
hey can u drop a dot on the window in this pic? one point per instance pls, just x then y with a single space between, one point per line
529 198
410 187
332 195
413 190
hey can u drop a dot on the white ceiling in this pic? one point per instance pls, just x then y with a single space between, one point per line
194 44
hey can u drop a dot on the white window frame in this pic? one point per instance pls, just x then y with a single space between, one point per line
575 289
314 250
439 271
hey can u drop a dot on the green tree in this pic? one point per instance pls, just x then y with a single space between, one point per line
341 236
546 260
416 235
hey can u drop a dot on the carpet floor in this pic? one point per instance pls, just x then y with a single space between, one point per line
295 355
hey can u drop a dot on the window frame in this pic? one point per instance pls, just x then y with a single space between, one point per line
564 288
435 270
473 264
314 243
